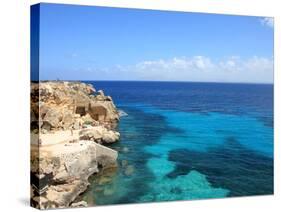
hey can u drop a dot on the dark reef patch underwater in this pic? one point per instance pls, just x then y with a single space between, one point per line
241 171
183 141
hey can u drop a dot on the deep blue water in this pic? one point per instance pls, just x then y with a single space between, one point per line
183 141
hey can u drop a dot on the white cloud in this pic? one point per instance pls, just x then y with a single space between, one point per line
197 68
200 68
267 21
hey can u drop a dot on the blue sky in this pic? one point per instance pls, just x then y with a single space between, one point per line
99 43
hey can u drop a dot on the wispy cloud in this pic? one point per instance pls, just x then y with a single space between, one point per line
267 21
197 68
200 68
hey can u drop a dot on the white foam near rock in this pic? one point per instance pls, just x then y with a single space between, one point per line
122 113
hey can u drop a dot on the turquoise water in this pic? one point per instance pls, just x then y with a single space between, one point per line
180 151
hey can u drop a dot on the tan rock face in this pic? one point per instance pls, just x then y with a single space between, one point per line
100 134
70 122
53 117
61 102
79 204
70 169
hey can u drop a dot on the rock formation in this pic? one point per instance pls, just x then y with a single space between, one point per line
70 122
99 134
62 104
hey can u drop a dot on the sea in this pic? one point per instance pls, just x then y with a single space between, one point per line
186 141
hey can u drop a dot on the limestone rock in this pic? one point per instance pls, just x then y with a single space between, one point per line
62 195
61 102
68 158
94 133
87 119
40 201
106 157
65 173
76 125
67 120
100 133
79 204
53 117
110 136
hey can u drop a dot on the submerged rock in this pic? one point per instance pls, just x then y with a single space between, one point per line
129 170
104 180
124 163
108 192
125 149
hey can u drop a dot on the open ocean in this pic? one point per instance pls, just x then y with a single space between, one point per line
184 141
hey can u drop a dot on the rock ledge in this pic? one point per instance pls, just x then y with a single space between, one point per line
70 122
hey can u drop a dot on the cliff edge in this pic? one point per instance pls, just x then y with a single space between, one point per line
70 124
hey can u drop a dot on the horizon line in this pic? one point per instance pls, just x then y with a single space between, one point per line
180 81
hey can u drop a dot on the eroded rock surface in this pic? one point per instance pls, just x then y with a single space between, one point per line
100 134
69 123
64 104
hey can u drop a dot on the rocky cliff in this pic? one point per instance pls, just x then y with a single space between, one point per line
66 105
70 123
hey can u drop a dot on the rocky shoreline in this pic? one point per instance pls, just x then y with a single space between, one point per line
71 123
